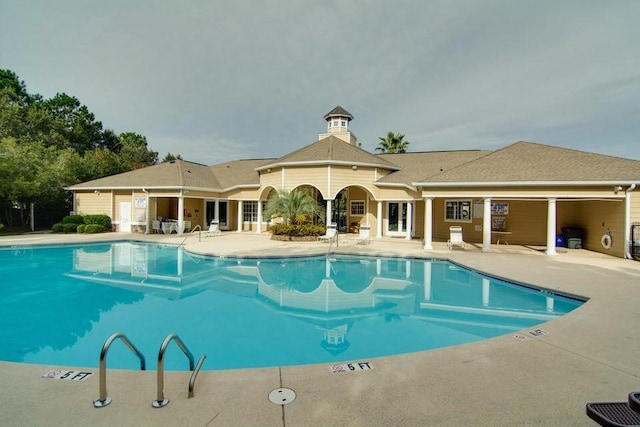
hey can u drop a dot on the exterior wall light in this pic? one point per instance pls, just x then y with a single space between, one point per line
354 167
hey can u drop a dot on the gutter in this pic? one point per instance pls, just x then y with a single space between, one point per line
518 183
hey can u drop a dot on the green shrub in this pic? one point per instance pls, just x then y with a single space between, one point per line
103 220
94 228
69 227
72 219
81 228
299 230
57 228
1 227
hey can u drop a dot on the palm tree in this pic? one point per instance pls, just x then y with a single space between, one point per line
293 206
392 143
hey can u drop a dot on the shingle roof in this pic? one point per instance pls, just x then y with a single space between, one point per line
338 111
178 173
331 150
532 162
238 172
420 166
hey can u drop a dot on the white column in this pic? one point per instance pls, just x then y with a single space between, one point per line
259 230
428 223
180 214
328 220
486 225
180 260
216 210
427 280
485 292
409 220
379 222
551 227
240 214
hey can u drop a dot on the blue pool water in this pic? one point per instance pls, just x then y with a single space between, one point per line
59 304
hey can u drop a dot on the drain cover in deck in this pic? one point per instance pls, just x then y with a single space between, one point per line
282 396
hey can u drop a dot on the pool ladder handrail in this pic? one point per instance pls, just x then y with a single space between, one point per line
335 237
104 400
196 228
161 400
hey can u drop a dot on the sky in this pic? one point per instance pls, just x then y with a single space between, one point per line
220 80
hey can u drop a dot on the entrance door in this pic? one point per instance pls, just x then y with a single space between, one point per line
397 215
125 217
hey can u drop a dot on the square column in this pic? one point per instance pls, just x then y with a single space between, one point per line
409 220
240 215
379 221
551 227
180 215
486 225
428 223
259 230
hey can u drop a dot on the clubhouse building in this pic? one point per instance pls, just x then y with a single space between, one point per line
525 193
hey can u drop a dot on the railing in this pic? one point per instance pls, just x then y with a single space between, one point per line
196 228
162 401
104 400
335 237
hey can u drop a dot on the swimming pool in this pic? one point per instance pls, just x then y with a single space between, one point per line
58 304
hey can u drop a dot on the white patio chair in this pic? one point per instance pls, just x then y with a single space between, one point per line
330 234
365 235
455 237
214 229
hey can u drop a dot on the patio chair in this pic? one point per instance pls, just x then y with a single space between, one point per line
214 229
616 413
455 237
365 235
330 234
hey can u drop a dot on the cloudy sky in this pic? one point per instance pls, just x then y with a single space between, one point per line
218 80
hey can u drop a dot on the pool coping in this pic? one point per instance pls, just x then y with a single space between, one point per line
586 355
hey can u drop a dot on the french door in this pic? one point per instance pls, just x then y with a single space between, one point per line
396 219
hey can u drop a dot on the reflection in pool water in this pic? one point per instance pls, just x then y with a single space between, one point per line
59 304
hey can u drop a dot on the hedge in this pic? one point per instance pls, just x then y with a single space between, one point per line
297 230
69 227
103 220
94 228
81 228
57 228
72 219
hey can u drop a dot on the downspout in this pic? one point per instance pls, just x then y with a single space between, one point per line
146 215
627 221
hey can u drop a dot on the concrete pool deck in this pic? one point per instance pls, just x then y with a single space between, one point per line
590 354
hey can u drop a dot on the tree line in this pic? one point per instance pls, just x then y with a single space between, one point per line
49 144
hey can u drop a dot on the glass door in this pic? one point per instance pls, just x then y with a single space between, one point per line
397 215
223 214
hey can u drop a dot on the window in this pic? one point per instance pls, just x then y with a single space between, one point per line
357 207
457 210
250 211
343 124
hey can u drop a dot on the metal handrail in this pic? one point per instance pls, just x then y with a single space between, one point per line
104 400
161 401
192 380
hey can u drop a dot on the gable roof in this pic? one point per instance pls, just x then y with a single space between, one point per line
173 174
527 162
330 150
423 165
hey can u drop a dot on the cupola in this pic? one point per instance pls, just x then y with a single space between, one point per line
338 125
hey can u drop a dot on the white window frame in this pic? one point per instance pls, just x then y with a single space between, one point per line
459 217
250 212
357 203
